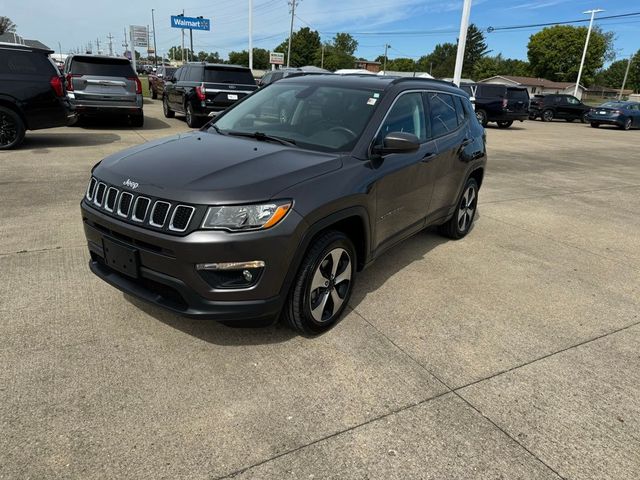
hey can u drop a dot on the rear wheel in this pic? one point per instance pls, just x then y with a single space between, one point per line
547 115
323 286
12 129
532 116
481 115
154 94
505 124
627 124
137 120
595 124
192 120
584 118
460 224
168 113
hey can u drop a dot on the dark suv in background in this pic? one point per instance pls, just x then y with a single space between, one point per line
32 93
157 80
100 86
200 90
498 103
263 213
275 75
566 107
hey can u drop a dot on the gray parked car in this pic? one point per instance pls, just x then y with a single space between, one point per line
99 85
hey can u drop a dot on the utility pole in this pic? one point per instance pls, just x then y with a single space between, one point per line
182 30
110 37
586 44
251 35
384 65
60 51
462 41
626 74
155 52
125 44
293 14
322 56
133 50
98 46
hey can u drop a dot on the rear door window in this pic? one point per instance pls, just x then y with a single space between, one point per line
102 67
24 62
228 75
517 94
194 75
460 110
442 110
491 91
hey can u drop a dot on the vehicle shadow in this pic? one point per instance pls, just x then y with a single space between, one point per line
41 141
512 127
119 123
268 332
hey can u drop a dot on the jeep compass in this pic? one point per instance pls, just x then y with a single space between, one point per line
273 207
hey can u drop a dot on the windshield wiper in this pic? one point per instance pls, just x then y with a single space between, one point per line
217 129
264 137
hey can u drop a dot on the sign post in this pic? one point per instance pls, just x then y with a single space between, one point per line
276 58
139 38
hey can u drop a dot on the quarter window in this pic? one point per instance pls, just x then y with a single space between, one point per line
442 110
406 115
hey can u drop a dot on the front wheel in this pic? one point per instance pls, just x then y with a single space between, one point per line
168 113
323 286
460 224
12 129
547 115
627 124
505 124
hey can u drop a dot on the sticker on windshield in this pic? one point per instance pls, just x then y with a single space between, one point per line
372 101
376 95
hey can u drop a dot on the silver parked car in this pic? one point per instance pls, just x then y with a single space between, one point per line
99 85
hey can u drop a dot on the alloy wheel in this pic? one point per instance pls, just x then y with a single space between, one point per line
330 285
467 208
627 124
8 129
189 116
547 116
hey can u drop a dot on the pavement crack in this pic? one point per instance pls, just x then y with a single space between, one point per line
37 250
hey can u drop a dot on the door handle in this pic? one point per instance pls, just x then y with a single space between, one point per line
466 142
428 157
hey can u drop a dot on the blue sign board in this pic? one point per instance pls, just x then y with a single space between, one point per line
190 23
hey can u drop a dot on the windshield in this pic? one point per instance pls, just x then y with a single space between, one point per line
614 105
316 117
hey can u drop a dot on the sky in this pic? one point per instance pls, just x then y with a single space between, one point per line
411 27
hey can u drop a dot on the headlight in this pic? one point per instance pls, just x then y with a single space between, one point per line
246 217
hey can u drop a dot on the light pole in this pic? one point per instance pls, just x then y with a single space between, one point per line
626 74
153 25
384 65
462 41
293 14
586 44
251 35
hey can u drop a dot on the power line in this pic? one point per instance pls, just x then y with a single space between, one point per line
516 27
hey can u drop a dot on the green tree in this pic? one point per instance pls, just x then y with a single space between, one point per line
210 57
401 65
305 45
475 49
555 52
6 25
441 62
490 66
338 53
614 75
260 58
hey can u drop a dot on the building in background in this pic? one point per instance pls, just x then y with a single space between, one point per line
370 66
537 86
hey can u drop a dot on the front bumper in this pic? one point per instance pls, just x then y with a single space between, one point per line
167 276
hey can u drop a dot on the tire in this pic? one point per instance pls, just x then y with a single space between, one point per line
154 94
192 120
326 277
583 118
481 115
12 129
532 116
460 223
627 124
595 124
137 120
168 113
547 115
505 124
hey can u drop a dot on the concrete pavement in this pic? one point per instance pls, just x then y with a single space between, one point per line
510 354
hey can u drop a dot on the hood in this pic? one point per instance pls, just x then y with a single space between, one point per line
209 168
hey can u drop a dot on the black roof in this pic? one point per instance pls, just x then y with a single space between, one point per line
218 65
80 56
19 46
373 82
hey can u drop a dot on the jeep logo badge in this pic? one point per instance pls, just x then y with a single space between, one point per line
131 184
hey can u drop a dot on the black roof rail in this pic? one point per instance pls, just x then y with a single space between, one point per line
421 79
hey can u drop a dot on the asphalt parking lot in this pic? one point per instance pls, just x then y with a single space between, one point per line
512 353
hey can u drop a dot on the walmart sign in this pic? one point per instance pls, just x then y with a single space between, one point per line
178 21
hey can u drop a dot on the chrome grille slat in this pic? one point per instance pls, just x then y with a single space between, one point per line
152 216
128 198
110 205
100 192
91 188
181 210
140 201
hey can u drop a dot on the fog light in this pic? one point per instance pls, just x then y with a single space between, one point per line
231 274
248 276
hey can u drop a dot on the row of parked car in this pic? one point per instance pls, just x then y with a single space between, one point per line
37 94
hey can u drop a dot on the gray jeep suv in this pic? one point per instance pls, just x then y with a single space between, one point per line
274 206
98 85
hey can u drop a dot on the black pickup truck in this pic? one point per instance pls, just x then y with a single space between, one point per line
200 90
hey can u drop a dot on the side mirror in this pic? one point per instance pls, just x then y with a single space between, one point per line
397 142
